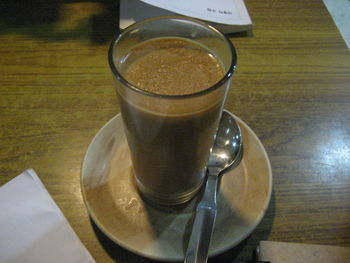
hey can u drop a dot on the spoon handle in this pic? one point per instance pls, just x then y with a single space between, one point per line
203 225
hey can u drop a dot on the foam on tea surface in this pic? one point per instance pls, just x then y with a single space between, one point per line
172 66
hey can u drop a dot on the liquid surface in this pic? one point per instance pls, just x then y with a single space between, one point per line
172 66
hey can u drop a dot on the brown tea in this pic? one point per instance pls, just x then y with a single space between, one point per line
169 138
171 66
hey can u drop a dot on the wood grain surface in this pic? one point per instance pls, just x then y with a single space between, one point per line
292 87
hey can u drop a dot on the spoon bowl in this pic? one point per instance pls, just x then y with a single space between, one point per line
227 151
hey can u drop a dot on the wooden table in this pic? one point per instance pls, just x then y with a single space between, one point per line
292 87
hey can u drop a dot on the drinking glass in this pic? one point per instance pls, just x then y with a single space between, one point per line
170 136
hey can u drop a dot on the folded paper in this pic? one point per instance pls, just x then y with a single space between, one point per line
33 229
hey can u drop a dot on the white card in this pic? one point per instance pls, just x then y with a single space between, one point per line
229 16
230 12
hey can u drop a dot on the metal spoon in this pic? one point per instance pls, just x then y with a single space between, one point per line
225 154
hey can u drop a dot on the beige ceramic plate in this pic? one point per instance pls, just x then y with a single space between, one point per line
162 233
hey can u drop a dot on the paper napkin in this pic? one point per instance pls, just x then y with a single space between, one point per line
32 227
287 252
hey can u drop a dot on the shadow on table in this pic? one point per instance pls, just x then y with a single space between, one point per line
57 20
248 33
243 252
120 254
115 251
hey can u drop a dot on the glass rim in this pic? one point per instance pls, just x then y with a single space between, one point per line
218 84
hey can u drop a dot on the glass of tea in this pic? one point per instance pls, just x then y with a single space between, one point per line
172 76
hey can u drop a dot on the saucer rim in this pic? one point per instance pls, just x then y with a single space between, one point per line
219 250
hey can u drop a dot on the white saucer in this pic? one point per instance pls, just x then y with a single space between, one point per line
162 233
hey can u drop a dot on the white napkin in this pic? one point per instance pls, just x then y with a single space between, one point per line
33 228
